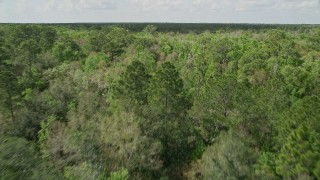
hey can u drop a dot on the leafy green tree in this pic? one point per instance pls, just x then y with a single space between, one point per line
300 155
66 50
27 53
150 29
94 61
260 109
166 118
251 67
9 91
84 171
229 158
117 41
265 166
44 135
280 44
145 51
298 81
316 171
19 159
223 50
62 88
143 42
306 110
124 145
314 39
29 117
312 68
198 63
166 92
48 37
166 46
134 82
119 175
213 106
98 40
303 111
44 36
5 52
18 34
39 105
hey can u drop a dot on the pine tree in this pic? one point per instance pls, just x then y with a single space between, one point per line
300 155
166 92
134 82
166 119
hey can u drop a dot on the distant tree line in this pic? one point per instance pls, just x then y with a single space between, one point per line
188 27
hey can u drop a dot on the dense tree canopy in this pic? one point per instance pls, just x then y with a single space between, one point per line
104 102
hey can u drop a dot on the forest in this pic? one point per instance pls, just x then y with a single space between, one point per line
157 101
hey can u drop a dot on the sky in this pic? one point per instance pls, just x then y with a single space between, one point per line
184 11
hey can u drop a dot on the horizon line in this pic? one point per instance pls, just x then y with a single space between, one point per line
155 22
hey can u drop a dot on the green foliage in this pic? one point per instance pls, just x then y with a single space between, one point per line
119 175
143 42
265 166
84 171
44 36
297 80
125 145
96 61
166 93
166 47
314 39
251 67
316 171
19 159
213 105
9 91
48 37
134 83
229 158
306 110
150 29
168 105
117 39
66 50
303 111
97 40
198 151
103 102
44 135
280 44
300 155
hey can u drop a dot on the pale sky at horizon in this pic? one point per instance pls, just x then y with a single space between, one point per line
192 11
